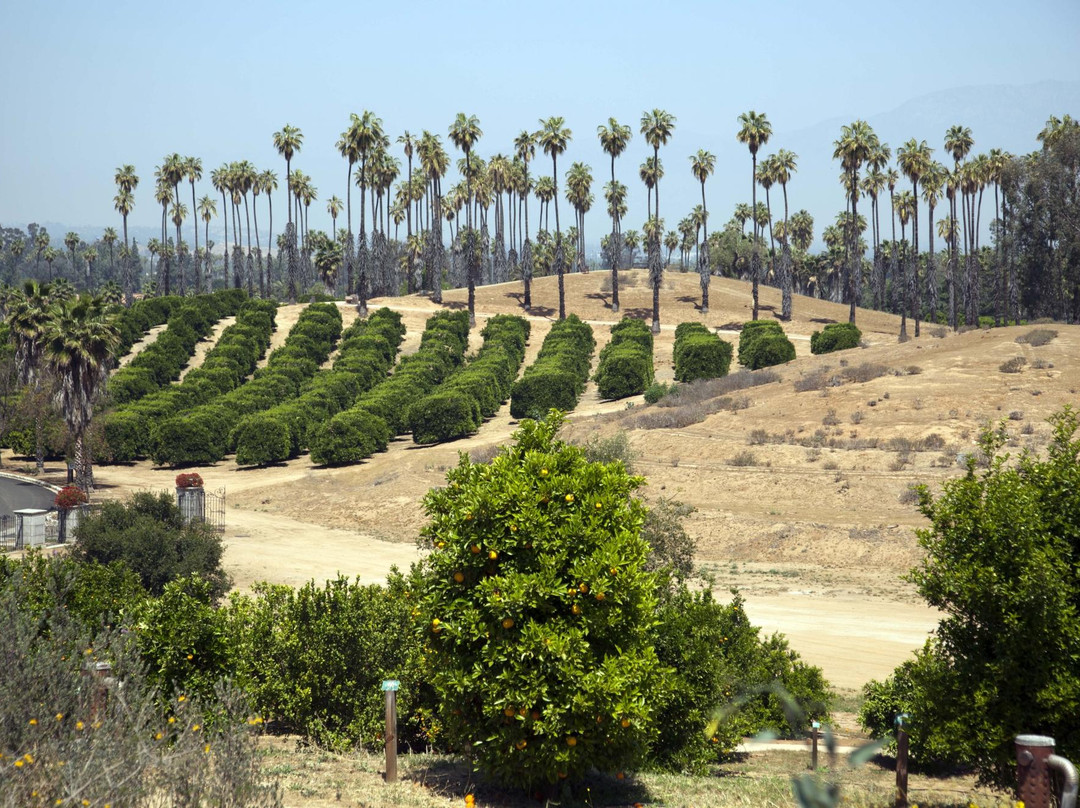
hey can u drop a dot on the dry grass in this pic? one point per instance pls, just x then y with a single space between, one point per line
1014 365
1037 337
316 779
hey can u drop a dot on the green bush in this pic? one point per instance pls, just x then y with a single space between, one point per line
477 390
214 424
262 438
313 659
444 416
130 430
767 350
750 332
658 390
149 535
835 337
538 612
442 346
1001 561
699 353
349 437
557 378
626 363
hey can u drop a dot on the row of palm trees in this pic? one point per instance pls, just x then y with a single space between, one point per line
63 342
499 188
502 182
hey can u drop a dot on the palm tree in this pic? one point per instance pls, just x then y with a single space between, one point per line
110 238
28 319
219 178
905 206
365 134
958 142
657 127
702 166
933 179
914 160
785 163
872 185
90 255
632 241
79 340
268 183
554 138
857 142
71 241
193 170
997 160
765 180
754 131
334 206
464 132
207 210
288 142
613 139
579 193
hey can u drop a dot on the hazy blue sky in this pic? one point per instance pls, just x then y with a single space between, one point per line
89 86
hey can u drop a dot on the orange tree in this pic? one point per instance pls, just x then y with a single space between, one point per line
536 612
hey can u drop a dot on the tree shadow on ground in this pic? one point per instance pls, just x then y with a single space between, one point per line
453 778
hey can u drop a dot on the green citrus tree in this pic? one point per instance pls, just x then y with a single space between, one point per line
536 612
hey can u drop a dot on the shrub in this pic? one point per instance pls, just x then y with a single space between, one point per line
457 407
750 331
1037 337
149 535
1002 659
671 549
350 437
71 743
1014 365
658 390
444 416
835 337
718 659
699 353
326 687
768 350
537 610
213 425
69 497
557 378
262 438
626 363
189 480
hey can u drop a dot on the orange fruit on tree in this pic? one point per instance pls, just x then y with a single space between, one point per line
571 741
575 609
509 712
475 549
492 555
459 576
625 723
508 622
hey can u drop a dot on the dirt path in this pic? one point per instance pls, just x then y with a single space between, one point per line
149 338
203 346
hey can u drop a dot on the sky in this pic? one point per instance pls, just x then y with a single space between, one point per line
89 86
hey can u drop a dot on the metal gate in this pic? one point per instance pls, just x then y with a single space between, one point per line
215 510
8 533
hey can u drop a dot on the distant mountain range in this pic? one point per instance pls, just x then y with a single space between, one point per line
1000 116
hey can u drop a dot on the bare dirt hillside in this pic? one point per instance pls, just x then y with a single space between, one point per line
801 486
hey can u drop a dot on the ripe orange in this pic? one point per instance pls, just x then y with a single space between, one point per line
508 623
475 549
571 741
459 576
569 497
625 723
575 609
584 588
436 626
521 744
509 712
543 472
600 595
619 776
493 555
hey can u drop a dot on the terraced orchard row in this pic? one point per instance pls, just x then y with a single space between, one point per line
348 411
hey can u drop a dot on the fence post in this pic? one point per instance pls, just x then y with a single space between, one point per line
814 726
390 687
901 762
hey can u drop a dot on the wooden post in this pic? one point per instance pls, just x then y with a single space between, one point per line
813 745
901 767
390 687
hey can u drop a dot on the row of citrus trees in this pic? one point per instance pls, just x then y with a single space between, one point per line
347 412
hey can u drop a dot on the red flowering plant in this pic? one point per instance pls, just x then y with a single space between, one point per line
69 497
190 480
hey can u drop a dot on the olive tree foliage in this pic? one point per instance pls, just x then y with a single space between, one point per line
1003 566
537 610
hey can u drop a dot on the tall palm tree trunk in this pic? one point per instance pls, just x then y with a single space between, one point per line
754 260
916 305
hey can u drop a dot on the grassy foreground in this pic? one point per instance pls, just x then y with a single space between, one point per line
315 778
